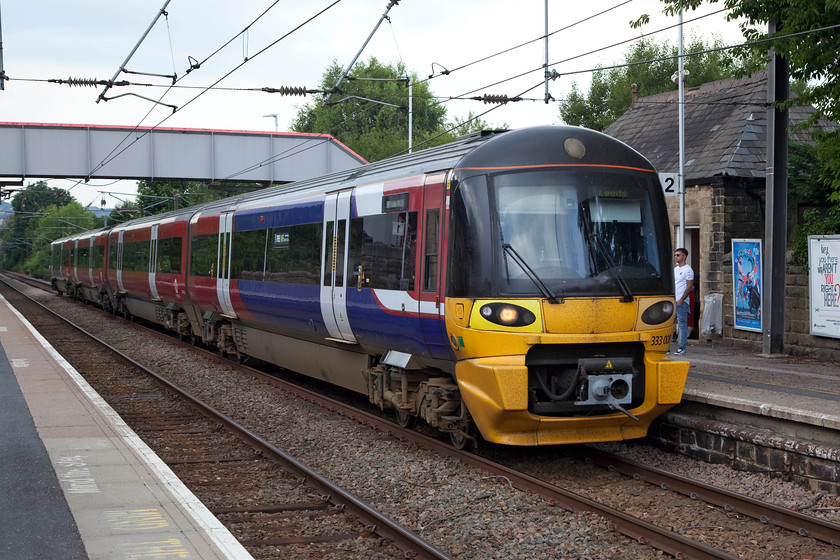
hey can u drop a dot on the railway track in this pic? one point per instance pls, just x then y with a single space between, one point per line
661 537
232 470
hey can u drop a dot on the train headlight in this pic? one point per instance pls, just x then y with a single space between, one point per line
658 313
507 314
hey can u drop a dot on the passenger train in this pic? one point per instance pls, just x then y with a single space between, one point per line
515 286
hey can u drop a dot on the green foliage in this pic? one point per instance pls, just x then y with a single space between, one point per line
651 66
356 116
37 196
815 222
156 197
805 181
27 237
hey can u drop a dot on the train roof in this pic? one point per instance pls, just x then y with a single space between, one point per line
416 163
534 146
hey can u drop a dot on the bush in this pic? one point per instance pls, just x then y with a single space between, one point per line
815 222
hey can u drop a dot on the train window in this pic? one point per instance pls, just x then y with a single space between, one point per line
328 254
98 256
339 261
431 264
203 257
83 257
136 256
576 231
248 255
55 256
112 253
293 254
384 246
169 255
540 222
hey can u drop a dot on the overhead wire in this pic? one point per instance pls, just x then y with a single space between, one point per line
278 157
108 158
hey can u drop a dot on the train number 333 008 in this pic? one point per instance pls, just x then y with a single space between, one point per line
660 340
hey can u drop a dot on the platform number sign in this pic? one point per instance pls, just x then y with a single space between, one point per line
670 184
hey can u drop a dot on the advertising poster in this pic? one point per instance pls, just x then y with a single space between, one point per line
746 277
824 281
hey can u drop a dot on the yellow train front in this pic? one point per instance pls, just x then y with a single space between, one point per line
560 306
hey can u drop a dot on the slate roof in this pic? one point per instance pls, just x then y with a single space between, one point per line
725 129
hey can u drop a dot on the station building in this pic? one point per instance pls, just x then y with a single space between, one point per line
725 173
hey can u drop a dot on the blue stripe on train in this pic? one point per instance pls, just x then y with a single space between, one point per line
290 214
296 307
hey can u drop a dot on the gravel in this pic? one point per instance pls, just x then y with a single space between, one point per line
461 510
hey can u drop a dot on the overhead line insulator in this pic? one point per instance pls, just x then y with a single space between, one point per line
500 99
88 82
288 90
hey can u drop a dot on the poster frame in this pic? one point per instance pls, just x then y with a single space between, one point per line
822 322
746 317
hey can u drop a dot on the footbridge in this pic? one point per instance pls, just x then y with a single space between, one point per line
219 157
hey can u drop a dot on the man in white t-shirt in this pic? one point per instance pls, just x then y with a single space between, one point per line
683 286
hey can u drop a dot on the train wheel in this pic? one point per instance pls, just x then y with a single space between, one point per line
405 419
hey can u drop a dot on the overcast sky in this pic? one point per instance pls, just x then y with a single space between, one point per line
89 39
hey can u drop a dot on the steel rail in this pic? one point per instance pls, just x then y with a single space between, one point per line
804 525
413 545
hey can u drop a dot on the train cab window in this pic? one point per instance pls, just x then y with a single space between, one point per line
383 250
55 256
432 249
592 231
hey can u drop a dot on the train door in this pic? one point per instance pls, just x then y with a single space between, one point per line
334 266
118 264
74 258
153 248
223 263
90 260
432 320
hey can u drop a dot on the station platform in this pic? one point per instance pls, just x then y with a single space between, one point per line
770 413
75 481
739 377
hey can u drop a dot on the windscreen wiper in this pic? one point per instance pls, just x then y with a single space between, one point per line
517 258
593 240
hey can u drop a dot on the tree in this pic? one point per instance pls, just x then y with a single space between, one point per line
28 204
610 92
55 223
356 115
813 56
155 197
